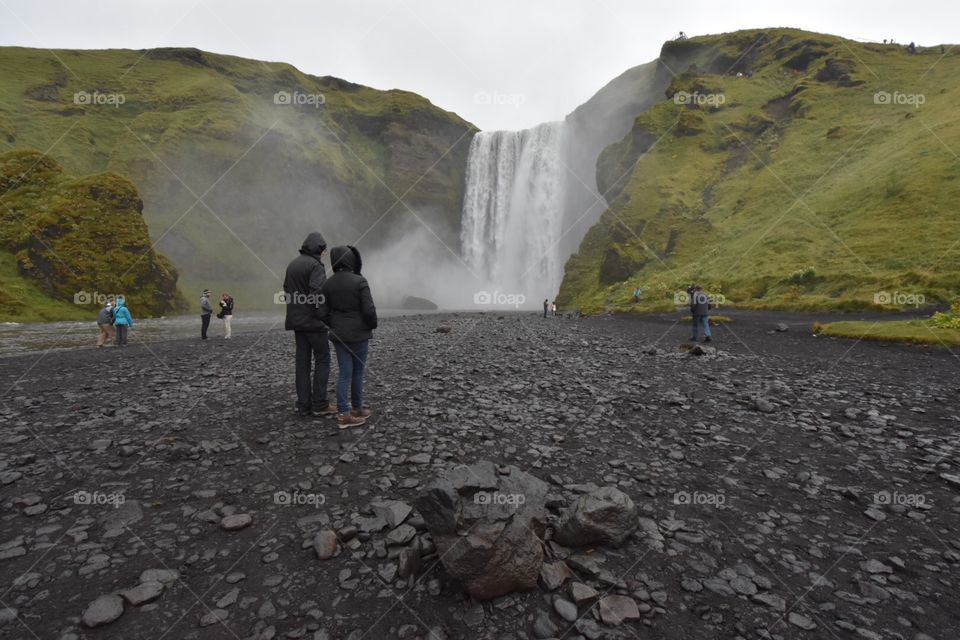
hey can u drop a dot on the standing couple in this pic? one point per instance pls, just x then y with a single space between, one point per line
341 309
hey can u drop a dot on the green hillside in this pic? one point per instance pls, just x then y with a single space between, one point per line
824 175
69 244
272 152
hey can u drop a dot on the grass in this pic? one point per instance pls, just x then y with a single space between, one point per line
796 193
22 301
912 331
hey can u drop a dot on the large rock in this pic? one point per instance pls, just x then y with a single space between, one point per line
487 527
103 610
605 516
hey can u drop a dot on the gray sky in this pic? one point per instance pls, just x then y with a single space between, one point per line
501 64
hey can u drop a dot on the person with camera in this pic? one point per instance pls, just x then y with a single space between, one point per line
226 313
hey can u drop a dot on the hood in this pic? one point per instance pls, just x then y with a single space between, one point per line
314 244
120 302
346 259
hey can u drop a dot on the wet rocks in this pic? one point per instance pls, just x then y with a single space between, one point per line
615 609
236 522
605 516
487 523
325 544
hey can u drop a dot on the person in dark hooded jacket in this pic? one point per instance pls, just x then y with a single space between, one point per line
352 319
306 312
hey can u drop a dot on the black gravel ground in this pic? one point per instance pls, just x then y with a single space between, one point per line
789 486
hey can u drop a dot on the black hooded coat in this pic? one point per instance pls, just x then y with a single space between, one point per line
352 314
303 287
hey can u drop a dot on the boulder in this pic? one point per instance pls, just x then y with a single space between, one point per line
487 526
413 303
605 516
103 610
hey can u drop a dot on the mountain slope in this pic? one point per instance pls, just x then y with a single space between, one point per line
68 240
238 159
824 175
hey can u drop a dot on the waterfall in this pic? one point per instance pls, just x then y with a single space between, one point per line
512 222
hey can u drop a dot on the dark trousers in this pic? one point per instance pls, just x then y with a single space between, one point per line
121 339
312 348
204 325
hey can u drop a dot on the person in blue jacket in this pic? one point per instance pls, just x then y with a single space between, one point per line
122 321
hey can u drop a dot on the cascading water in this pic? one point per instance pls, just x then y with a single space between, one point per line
512 223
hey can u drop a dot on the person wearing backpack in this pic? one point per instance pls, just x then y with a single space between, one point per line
122 321
226 314
700 311
352 317
105 323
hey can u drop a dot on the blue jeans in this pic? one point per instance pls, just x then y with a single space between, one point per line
352 360
697 322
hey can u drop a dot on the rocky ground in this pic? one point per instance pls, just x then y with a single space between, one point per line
787 486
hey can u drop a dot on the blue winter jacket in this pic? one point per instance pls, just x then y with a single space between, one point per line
121 315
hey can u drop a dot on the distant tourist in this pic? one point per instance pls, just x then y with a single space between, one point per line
352 319
105 323
546 307
700 311
636 294
306 315
553 308
226 313
122 321
205 310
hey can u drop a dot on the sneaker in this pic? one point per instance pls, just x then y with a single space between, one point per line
345 420
708 339
361 413
328 410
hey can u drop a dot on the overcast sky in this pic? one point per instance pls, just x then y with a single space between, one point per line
501 64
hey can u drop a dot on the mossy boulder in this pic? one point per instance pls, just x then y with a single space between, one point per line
81 239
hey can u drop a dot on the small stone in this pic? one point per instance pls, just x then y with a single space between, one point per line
401 535
163 576
103 610
236 522
543 627
802 621
583 593
617 609
213 617
566 609
325 544
771 600
554 574
142 593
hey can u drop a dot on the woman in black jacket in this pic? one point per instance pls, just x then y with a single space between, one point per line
352 319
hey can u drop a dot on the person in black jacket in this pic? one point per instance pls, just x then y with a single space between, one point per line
352 319
306 312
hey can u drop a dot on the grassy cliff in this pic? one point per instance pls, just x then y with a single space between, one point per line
67 244
783 169
236 159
